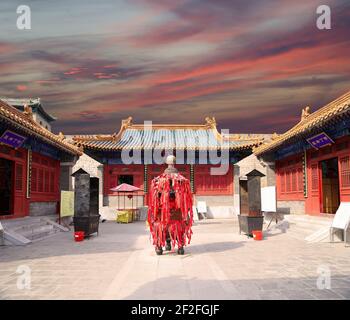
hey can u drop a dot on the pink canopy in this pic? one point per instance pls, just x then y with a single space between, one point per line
124 187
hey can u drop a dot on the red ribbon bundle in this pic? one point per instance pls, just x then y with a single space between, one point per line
161 205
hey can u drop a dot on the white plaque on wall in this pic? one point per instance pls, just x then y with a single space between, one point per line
268 199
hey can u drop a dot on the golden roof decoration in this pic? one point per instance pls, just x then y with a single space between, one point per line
211 122
305 113
61 135
28 111
127 122
332 110
274 136
176 132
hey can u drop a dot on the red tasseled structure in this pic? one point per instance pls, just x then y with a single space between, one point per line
161 207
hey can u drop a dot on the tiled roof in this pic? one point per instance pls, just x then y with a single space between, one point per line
319 118
168 136
34 103
25 122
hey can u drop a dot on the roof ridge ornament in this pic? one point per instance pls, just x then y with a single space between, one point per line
127 122
210 122
305 113
28 111
274 136
61 136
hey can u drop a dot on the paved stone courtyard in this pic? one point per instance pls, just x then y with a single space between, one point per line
219 264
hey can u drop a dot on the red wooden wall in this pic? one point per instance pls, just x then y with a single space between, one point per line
289 178
112 172
289 175
207 184
45 179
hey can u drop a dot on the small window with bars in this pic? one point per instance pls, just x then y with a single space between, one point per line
314 177
345 172
19 177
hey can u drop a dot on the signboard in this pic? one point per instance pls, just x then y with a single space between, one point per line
67 204
12 139
319 141
268 199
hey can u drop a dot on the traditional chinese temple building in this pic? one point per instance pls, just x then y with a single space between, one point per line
31 163
40 115
312 160
197 148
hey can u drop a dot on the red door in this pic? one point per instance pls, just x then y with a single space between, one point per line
20 189
6 187
13 180
314 194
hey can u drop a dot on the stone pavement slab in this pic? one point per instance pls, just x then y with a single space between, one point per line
219 264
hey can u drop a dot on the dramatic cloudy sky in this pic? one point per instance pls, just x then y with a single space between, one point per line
253 64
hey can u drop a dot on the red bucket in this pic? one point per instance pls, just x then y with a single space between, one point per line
79 236
257 235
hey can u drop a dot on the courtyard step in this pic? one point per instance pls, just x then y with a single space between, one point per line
309 228
31 229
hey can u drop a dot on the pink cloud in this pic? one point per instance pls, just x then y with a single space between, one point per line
21 87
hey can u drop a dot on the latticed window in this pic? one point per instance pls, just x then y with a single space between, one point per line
34 179
19 177
291 177
288 184
52 182
47 181
314 177
36 159
300 180
283 182
294 180
43 177
345 172
41 180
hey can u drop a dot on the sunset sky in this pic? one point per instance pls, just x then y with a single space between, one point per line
252 64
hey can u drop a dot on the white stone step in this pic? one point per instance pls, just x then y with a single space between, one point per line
26 230
14 238
309 228
32 233
317 221
318 236
31 226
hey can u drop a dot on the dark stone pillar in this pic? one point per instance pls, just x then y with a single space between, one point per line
254 192
82 195
94 196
